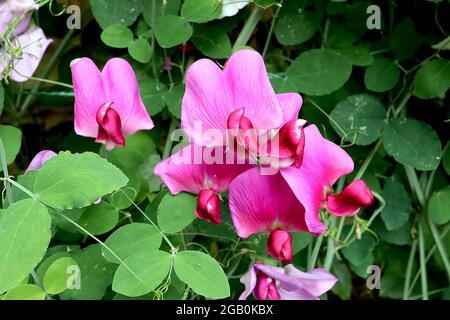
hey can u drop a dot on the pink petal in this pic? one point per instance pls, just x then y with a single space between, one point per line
122 89
34 44
316 281
188 170
206 102
39 160
323 164
208 206
350 200
89 96
290 104
261 203
246 76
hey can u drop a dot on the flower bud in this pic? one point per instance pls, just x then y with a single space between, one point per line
208 206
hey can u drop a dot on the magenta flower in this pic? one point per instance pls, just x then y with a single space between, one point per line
323 164
184 172
39 160
266 203
108 105
288 283
27 44
239 100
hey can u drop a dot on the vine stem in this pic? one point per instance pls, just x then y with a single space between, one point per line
248 28
9 194
423 266
315 253
407 285
439 245
169 142
272 26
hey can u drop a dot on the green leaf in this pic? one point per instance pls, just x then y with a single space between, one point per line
404 40
149 269
117 36
172 30
70 181
439 206
153 95
343 286
212 41
357 56
362 116
300 240
400 236
413 143
173 100
357 251
398 205
202 274
95 272
25 292
161 8
382 75
201 11
12 139
176 212
24 238
132 238
433 79
140 50
319 72
99 219
59 276
296 24
109 12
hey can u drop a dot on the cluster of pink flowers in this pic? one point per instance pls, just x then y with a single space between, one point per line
253 123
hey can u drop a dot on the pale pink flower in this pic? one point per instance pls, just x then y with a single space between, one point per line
39 160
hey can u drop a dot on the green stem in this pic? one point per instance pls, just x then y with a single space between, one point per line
440 246
415 184
315 253
407 286
423 267
367 161
61 84
272 25
169 141
9 194
248 28
22 188
402 104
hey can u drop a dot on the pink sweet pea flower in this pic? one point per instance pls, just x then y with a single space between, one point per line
266 203
288 283
323 164
184 172
39 160
108 105
240 101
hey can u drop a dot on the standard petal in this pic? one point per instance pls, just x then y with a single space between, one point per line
123 91
290 104
206 102
350 200
249 281
316 281
39 160
33 43
261 203
89 96
231 7
323 164
192 170
251 89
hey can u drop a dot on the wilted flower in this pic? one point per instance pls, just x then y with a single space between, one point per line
288 283
108 105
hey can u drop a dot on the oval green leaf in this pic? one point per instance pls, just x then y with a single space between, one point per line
140 50
433 79
117 36
12 139
172 30
439 206
176 212
59 276
25 292
382 75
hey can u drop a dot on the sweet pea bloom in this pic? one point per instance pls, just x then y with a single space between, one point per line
183 172
39 160
231 7
323 164
108 105
288 283
240 102
266 203
27 44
